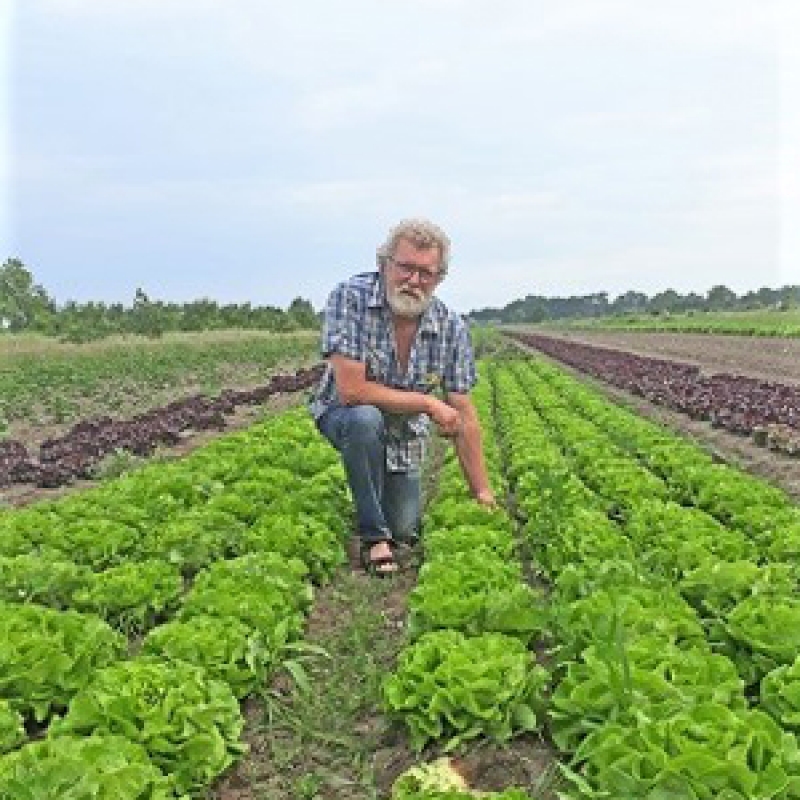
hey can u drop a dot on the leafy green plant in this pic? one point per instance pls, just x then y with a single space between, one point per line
187 722
451 688
707 752
41 579
259 589
463 538
780 695
133 596
716 587
475 591
90 768
194 539
646 680
12 728
453 512
766 631
635 610
48 655
297 535
226 649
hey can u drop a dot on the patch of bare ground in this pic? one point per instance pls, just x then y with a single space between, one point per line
764 358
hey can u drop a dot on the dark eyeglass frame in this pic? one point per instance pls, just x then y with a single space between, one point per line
425 276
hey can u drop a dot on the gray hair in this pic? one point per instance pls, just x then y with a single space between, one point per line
423 234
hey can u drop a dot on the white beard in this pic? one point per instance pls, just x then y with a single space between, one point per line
406 305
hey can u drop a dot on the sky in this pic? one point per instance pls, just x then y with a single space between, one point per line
250 150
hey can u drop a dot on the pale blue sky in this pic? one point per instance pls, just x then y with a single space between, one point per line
247 150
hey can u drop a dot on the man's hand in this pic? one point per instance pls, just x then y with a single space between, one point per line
486 498
446 417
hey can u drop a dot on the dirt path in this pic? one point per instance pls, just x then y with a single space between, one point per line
758 357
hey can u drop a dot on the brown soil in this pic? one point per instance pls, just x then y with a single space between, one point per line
761 357
764 358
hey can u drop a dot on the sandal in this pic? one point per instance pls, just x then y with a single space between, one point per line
379 566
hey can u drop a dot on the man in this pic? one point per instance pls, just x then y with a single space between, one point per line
390 344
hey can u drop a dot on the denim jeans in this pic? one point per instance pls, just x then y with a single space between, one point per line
387 503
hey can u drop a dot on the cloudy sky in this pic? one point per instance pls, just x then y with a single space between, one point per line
252 150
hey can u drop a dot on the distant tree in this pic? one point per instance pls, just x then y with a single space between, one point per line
720 298
694 302
668 300
147 317
302 313
24 305
631 302
789 297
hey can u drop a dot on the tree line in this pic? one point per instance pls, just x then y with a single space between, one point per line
535 308
26 306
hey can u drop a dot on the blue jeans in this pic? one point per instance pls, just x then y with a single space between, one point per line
387 503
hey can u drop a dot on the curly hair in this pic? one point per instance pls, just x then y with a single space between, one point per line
423 234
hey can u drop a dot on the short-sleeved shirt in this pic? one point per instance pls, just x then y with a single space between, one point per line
358 324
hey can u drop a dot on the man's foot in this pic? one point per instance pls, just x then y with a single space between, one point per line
377 558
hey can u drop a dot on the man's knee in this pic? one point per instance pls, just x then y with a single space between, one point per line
365 421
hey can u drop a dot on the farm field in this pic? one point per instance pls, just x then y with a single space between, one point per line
78 412
763 359
46 385
628 593
749 323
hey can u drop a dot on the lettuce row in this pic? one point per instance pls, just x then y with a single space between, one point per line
606 686
42 578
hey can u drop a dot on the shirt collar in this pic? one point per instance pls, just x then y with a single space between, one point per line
430 319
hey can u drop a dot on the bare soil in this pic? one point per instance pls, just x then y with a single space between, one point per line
763 358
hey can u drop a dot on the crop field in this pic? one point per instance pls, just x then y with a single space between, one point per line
625 624
763 322
735 394
46 385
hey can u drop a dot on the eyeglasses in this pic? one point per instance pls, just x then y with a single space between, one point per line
406 270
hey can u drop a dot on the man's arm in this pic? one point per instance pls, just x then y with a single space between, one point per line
469 449
354 389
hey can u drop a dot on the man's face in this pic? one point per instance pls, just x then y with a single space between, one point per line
411 276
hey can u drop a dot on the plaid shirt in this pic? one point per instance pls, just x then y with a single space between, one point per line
358 324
